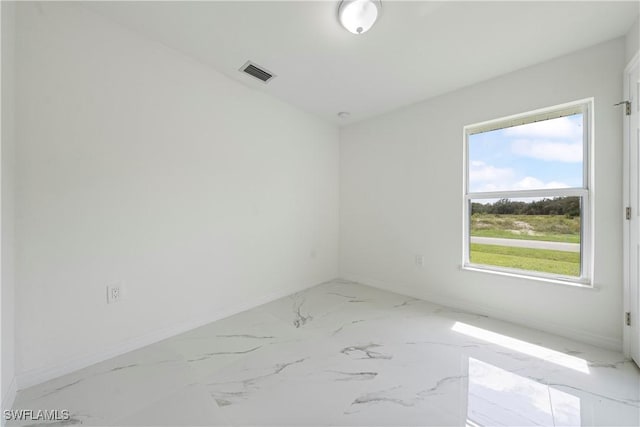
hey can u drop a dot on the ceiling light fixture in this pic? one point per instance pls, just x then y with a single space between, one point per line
358 16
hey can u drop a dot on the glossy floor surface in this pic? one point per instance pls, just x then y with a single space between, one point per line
349 355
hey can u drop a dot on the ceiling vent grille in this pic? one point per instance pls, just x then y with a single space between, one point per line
257 71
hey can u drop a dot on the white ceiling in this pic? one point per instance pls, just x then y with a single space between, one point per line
416 50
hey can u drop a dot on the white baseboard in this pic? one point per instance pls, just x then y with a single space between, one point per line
512 317
37 376
8 399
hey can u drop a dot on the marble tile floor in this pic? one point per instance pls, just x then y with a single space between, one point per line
344 354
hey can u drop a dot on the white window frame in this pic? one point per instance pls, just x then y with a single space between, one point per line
584 106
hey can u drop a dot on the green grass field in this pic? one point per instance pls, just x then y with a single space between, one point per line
542 260
550 228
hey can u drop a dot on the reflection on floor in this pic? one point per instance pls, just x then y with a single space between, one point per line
346 354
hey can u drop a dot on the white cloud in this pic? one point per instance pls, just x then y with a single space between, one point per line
557 139
482 172
560 128
548 150
531 183
484 177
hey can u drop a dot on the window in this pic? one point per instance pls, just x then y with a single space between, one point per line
527 195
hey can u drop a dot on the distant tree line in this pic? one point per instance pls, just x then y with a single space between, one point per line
567 206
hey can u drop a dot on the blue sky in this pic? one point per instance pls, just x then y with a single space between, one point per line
545 154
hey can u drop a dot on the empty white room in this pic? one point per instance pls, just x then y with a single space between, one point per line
320 213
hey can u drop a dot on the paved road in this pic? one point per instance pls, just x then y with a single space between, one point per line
533 244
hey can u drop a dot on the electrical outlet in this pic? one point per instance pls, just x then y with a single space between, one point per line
419 260
114 293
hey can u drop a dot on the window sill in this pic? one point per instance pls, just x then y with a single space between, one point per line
576 283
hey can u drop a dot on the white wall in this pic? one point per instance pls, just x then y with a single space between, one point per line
136 164
632 44
7 291
401 195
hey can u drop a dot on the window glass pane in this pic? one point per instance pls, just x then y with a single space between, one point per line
540 155
533 234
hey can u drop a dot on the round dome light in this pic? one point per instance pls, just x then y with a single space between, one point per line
358 16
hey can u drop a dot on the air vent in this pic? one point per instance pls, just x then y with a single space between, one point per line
257 71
